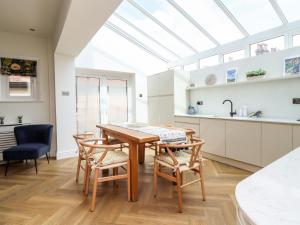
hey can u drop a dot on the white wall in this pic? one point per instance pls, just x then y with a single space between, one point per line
274 98
16 45
65 105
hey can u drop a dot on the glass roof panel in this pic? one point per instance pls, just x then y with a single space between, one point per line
175 21
290 9
113 46
254 15
151 28
212 19
142 38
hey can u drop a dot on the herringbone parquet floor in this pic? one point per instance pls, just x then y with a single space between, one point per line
52 197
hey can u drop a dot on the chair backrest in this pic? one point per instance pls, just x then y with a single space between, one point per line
193 148
79 137
37 133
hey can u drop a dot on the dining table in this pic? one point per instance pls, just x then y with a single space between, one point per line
136 140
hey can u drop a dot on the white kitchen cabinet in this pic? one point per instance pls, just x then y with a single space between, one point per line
195 127
296 136
277 140
212 131
153 105
165 109
185 119
161 84
243 141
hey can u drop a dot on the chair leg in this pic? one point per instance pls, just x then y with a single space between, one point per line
87 184
36 170
178 181
155 178
128 180
202 182
115 173
6 167
78 168
85 176
47 157
26 161
94 189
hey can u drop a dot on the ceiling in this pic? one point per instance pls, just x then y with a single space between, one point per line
18 16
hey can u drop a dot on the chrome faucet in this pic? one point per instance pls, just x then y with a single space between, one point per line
231 107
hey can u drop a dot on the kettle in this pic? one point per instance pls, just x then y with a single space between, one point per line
191 110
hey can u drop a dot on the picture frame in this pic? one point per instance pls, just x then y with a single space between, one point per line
231 75
292 66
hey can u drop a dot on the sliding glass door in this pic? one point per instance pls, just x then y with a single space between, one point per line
100 100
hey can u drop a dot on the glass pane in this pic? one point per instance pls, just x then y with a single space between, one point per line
190 67
234 56
87 103
212 19
133 15
210 61
117 101
110 51
176 68
19 86
296 40
290 9
254 15
271 45
176 22
142 38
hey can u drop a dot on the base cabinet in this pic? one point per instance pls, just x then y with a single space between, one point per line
277 140
195 127
213 133
296 137
243 141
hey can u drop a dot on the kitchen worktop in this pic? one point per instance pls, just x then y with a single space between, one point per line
262 119
271 195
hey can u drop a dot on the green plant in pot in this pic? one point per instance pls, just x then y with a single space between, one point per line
2 119
20 119
256 73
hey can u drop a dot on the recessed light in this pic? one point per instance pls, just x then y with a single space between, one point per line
32 29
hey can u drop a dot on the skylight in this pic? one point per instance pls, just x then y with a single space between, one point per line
254 15
290 9
211 18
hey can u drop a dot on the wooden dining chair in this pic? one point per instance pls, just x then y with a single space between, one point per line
81 153
104 157
179 158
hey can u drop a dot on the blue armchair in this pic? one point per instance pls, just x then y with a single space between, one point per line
33 141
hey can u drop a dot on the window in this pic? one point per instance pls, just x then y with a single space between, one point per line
271 45
210 61
191 67
20 86
254 15
234 56
296 40
290 9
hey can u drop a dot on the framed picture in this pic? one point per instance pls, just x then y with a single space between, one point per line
231 75
18 67
292 66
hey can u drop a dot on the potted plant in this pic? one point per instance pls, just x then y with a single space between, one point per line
2 119
20 119
260 73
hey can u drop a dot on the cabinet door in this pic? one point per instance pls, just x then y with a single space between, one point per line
153 85
277 140
195 127
243 141
213 133
166 83
153 110
165 109
296 136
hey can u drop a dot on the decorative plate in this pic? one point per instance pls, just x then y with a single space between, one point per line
211 79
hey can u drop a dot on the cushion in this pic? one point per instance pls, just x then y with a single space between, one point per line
182 158
112 157
26 151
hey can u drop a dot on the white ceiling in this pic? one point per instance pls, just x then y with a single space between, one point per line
18 16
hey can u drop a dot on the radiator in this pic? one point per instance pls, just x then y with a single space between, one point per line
7 140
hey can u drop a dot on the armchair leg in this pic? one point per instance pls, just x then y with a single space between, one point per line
47 157
6 167
36 171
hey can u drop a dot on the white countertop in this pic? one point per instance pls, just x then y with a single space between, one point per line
262 119
271 196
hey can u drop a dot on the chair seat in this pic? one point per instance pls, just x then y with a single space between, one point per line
25 151
112 157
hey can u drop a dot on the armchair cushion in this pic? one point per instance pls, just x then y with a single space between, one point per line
38 133
26 151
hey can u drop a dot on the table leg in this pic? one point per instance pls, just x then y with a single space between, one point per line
141 153
105 173
134 185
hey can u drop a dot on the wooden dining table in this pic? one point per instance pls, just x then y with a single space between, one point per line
136 141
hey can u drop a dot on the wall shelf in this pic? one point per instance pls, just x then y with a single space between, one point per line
244 82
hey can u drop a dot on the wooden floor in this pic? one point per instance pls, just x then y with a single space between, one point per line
53 197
